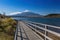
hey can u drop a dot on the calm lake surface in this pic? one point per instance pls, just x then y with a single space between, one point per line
50 21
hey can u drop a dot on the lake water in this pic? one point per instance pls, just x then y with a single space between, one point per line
50 21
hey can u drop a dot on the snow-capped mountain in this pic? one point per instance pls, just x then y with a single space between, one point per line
27 14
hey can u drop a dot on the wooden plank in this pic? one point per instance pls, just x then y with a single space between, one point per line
31 34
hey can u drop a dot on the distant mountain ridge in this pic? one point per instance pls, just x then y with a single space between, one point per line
53 15
28 14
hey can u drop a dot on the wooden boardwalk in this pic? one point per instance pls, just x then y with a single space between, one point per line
27 30
25 33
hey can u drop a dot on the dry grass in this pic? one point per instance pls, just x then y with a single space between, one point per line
54 37
4 36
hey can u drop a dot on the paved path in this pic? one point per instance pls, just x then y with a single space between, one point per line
25 33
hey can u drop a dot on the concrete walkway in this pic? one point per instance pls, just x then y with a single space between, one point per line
25 33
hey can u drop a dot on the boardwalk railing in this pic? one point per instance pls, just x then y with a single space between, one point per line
16 32
49 32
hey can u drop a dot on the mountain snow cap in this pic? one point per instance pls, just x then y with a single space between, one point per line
26 11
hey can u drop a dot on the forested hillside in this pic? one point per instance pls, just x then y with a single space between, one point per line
53 15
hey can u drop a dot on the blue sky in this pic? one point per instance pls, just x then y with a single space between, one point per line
42 7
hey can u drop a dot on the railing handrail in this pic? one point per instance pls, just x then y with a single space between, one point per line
43 34
15 37
45 29
57 34
45 24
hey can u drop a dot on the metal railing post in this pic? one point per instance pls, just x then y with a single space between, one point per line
45 32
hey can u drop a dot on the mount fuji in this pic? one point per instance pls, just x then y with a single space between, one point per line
27 14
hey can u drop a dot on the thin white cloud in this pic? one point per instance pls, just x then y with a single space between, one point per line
18 12
15 13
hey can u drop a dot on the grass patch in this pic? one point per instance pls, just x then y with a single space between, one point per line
7 28
4 36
